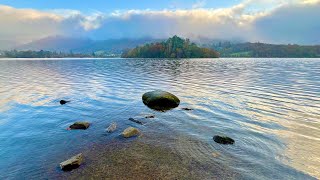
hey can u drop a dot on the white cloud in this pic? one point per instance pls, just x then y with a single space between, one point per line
276 21
26 24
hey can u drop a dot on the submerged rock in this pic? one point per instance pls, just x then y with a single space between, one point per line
80 125
187 109
136 121
215 154
130 132
72 163
223 140
160 100
150 116
62 102
112 127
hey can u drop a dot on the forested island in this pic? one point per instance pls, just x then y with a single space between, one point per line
174 47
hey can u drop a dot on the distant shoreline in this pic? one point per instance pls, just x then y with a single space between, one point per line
84 58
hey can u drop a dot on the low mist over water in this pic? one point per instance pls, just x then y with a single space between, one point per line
270 107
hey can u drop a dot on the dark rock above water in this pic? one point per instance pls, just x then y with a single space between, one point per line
80 125
72 163
160 100
223 140
62 102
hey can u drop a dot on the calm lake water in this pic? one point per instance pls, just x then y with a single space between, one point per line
270 107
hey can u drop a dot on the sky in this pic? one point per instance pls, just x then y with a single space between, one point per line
270 21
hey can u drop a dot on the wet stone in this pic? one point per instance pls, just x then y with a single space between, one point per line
80 125
160 100
112 127
223 140
72 163
135 121
130 132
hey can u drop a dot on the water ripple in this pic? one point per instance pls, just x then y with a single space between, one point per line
269 106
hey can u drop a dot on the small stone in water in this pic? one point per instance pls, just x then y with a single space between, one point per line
223 140
130 132
150 116
72 163
215 154
62 102
80 125
112 127
136 121
187 109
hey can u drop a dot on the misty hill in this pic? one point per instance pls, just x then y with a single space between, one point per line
7 44
260 50
82 45
55 43
174 47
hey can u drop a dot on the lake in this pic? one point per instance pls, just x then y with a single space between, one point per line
270 107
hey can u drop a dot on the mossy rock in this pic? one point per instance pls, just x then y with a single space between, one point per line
130 132
72 163
80 125
223 140
160 100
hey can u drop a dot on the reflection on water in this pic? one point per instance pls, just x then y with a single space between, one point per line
269 106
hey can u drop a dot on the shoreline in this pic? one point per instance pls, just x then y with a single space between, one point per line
89 58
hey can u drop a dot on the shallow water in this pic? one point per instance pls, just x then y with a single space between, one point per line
271 107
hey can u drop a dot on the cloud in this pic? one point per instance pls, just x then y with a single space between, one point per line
212 23
26 24
291 23
281 21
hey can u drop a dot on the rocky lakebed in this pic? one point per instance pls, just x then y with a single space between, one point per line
133 154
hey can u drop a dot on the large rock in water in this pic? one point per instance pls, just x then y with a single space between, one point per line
72 163
130 132
160 100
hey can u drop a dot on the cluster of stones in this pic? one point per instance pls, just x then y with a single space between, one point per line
157 100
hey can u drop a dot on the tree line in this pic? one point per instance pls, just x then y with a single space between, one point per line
50 54
261 50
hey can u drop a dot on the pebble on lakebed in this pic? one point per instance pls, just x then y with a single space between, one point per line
80 125
72 163
112 127
130 132
160 100
223 140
